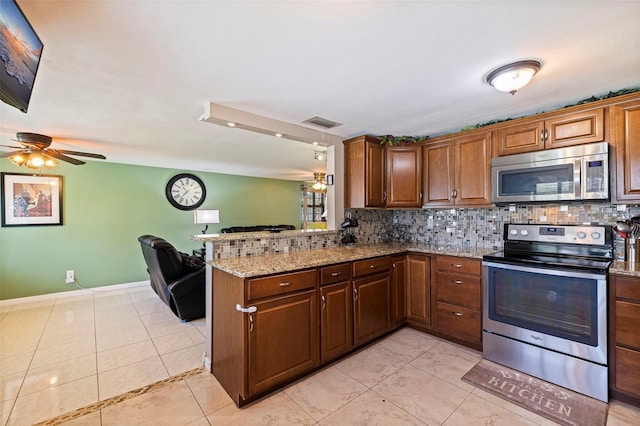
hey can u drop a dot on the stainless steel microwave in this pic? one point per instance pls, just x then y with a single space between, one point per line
574 173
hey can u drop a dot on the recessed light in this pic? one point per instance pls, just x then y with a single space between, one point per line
231 124
278 135
315 143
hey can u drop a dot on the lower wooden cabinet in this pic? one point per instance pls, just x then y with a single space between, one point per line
371 307
418 278
336 320
458 299
398 291
283 340
624 338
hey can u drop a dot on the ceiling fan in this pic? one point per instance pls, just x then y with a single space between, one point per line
36 152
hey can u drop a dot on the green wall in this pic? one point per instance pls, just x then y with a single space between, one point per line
107 206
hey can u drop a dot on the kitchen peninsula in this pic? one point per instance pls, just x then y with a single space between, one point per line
277 317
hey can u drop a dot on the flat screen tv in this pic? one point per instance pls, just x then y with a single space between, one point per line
20 51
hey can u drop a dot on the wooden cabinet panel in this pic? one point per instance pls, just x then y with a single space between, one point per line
524 137
554 132
280 284
364 172
419 289
398 292
335 273
459 323
626 139
371 307
628 324
371 266
438 174
573 129
404 176
627 371
459 264
458 289
336 323
473 170
283 340
628 288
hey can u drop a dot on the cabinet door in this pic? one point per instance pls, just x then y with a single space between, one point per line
438 174
398 293
525 137
473 170
371 307
363 173
418 289
283 340
404 176
626 138
573 129
374 175
336 324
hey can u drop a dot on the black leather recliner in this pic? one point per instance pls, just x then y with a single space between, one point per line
179 279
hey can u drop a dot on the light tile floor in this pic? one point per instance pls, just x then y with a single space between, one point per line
61 355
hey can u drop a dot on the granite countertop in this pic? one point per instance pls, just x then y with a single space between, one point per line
260 234
625 268
254 266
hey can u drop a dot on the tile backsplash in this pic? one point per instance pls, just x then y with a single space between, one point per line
478 227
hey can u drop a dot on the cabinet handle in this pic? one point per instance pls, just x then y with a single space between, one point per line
458 314
384 196
336 274
285 284
421 195
456 281
454 193
542 135
249 310
355 294
324 302
373 266
456 265
250 323
393 265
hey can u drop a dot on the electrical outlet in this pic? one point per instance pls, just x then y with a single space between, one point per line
70 277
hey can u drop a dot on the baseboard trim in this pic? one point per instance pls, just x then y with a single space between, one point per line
72 293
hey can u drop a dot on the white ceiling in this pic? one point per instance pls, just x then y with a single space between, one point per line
129 79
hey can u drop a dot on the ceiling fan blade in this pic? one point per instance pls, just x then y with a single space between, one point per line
54 154
9 154
84 154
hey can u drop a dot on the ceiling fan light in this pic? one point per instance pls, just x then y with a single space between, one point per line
35 161
50 163
18 159
511 77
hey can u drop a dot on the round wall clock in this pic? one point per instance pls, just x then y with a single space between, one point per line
186 191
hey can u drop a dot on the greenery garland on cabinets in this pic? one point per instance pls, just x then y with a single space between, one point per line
390 140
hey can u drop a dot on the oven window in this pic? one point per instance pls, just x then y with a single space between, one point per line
550 180
560 306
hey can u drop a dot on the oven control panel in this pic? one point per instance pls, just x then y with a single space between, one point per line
568 234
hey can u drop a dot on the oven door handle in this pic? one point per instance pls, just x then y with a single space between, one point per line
576 273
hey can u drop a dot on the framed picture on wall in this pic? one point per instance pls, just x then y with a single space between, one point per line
29 200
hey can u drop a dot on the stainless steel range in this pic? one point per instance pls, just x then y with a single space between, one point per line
545 304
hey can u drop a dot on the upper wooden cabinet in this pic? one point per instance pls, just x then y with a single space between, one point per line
404 176
625 133
457 171
364 173
553 132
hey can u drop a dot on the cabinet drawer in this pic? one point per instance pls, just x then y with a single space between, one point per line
628 288
458 264
458 322
628 371
258 288
458 289
371 266
627 324
335 274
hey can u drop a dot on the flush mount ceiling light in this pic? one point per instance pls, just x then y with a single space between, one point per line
511 77
222 115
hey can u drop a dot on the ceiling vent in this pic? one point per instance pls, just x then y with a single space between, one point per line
321 122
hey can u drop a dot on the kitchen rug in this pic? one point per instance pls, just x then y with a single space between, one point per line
556 403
